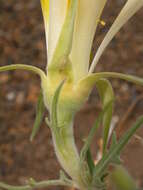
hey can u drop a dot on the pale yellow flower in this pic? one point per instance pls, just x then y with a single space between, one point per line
85 18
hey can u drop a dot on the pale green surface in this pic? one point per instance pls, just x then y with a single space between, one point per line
107 95
121 180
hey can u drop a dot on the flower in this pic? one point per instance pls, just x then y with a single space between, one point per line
86 15
70 27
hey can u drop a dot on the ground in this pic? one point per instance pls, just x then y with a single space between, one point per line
22 41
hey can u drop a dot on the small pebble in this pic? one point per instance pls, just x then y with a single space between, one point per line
11 96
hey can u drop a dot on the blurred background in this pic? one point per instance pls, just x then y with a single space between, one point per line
22 40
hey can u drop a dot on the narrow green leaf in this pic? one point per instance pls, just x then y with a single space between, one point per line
90 162
116 150
34 69
129 78
92 132
106 93
114 141
64 44
116 159
89 81
54 106
121 180
39 116
90 137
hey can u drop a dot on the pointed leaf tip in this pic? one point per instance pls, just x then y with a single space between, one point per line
54 106
39 116
116 149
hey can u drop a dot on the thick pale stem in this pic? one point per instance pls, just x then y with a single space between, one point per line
66 149
68 156
63 105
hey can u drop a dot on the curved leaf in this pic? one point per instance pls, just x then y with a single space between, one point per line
107 95
89 81
54 106
34 69
39 116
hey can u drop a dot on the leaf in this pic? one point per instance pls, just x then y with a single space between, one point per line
89 139
116 150
54 106
86 84
90 80
107 95
39 116
34 69
90 161
114 142
92 132
64 44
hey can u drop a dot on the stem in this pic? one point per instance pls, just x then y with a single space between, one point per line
62 113
66 151
68 156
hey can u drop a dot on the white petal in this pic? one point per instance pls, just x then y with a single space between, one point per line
60 57
45 10
87 18
57 16
130 8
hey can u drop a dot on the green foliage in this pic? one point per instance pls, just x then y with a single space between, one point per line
112 156
39 116
54 107
33 69
107 95
84 173
92 131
